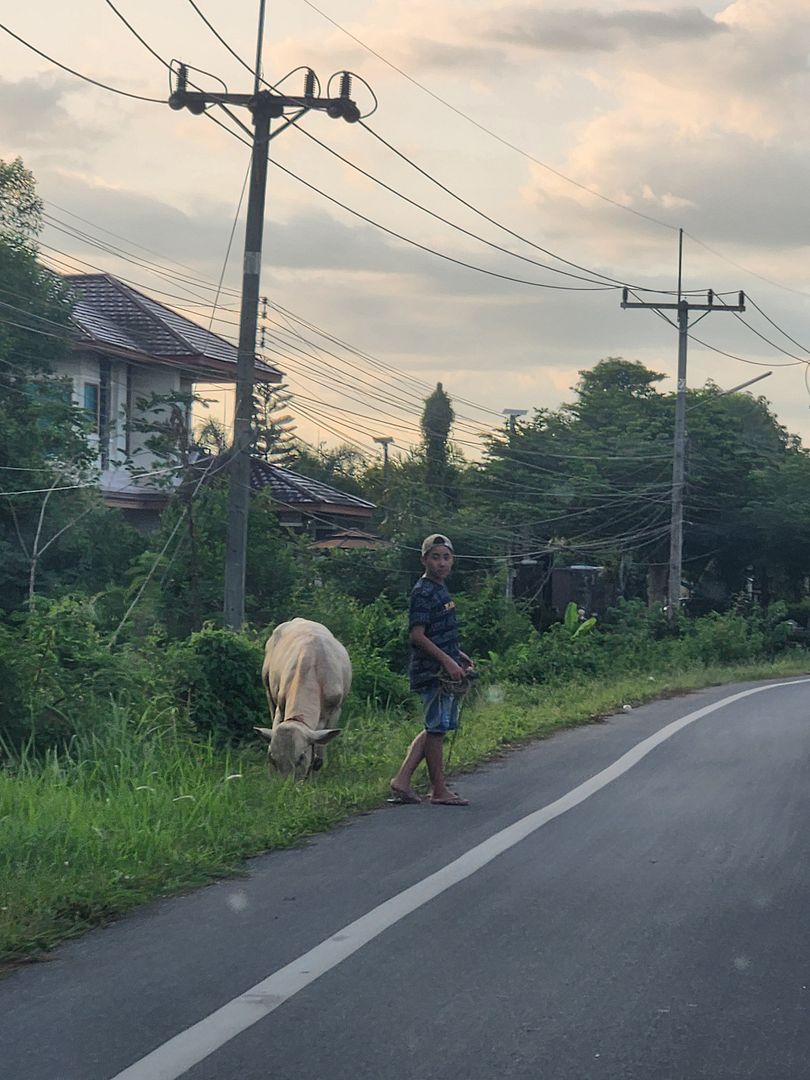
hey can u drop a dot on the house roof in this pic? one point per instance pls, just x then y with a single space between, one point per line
112 316
351 540
291 488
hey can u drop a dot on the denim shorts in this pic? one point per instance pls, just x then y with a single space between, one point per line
441 711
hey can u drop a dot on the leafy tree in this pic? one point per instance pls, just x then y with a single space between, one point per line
47 519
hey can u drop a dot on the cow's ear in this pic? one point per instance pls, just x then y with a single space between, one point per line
265 732
325 735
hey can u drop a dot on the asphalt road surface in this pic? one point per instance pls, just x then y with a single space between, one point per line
625 901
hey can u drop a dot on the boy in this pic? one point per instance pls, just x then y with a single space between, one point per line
434 651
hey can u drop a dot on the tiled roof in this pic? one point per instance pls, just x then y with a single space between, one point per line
110 312
293 489
290 488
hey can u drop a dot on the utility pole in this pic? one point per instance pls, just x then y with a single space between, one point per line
683 308
385 441
511 571
264 106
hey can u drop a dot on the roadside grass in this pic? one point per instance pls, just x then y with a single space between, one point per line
139 810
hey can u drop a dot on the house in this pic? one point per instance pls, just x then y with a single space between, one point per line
307 506
129 346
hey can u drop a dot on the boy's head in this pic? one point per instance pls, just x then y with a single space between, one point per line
437 556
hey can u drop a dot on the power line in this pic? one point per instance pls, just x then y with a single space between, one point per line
454 225
488 131
78 74
486 217
432 251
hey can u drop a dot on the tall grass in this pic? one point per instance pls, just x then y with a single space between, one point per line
136 807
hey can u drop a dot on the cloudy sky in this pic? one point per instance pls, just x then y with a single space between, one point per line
593 132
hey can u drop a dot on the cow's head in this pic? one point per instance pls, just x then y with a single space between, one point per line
294 747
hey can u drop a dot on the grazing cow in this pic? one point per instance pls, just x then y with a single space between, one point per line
307 675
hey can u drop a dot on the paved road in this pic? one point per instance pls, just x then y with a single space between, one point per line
656 929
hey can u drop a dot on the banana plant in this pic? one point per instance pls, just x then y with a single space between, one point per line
572 622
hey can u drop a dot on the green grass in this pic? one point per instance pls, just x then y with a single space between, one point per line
139 810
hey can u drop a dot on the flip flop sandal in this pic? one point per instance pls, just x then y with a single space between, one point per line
402 798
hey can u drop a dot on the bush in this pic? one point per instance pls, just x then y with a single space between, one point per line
551 657
375 684
216 676
725 639
59 675
488 621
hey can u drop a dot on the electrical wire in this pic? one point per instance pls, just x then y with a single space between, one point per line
619 282
453 225
78 74
432 251
488 131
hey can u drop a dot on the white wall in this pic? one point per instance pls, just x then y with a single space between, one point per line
145 380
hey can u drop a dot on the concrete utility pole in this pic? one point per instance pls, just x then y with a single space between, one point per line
264 105
683 308
511 571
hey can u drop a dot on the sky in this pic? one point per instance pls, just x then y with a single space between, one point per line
594 132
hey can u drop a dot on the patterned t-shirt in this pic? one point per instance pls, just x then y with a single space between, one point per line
432 607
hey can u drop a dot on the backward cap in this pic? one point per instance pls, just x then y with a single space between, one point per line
434 540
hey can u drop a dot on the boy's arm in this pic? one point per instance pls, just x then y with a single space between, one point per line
420 639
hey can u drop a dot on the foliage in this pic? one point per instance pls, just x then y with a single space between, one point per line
574 623
20 206
488 621
59 674
273 429
274 567
215 675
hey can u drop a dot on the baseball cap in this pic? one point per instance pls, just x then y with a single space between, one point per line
433 540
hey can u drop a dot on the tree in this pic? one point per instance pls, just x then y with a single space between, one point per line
45 458
273 429
436 423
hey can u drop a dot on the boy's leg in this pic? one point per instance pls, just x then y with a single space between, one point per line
401 783
434 756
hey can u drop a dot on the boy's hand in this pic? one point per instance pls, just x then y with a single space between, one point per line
466 663
454 670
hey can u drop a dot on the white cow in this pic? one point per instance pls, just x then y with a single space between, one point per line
307 674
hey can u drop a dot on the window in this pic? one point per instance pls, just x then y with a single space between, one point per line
91 404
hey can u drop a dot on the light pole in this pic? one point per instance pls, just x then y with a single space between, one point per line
513 414
385 441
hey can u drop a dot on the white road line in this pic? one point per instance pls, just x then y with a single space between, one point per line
191 1046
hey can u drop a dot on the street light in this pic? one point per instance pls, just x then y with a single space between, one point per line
384 441
513 414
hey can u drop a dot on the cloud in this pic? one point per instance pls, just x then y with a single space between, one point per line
583 30
444 56
35 112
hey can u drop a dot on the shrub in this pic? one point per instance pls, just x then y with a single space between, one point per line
59 675
216 675
488 621
551 657
375 684
725 639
